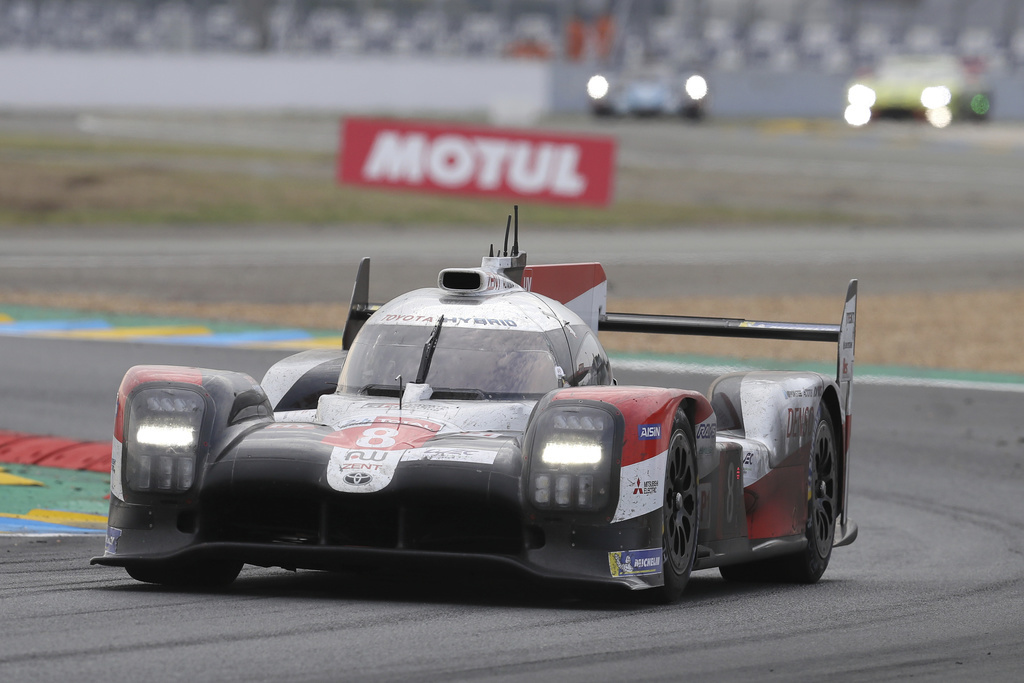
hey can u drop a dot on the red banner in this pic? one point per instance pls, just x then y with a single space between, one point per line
476 160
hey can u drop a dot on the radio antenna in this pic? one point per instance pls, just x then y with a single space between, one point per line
508 224
515 241
491 254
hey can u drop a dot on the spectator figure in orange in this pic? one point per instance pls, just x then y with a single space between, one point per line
604 32
575 39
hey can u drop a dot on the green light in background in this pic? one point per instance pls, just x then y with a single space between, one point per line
980 105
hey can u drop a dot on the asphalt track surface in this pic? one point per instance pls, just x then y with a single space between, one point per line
932 588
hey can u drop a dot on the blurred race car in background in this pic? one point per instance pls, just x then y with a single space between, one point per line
651 91
476 426
936 88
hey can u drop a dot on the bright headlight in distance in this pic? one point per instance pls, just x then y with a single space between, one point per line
597 87
940 117
166 436
936 96
856 115
556 453
861 95
696 87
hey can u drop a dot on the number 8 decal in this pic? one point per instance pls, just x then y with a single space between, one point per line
377 437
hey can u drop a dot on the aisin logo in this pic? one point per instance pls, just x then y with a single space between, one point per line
357 478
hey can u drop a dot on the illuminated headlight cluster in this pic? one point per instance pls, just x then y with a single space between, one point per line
571 468
861 99
162 439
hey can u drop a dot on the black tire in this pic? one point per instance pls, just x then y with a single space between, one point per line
822 506
808 565
205 575
680 512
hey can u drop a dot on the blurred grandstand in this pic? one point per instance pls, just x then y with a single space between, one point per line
831 36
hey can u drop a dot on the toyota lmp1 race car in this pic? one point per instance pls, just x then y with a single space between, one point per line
478 422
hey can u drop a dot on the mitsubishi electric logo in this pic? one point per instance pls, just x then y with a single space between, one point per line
357 478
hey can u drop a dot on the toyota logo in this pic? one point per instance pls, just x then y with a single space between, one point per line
358 478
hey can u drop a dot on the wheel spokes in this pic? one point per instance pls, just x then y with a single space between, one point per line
823 509
680 505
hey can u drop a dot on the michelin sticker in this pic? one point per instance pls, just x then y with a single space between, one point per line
110 546
635 562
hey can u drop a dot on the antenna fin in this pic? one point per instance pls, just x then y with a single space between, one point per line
508 224
515 240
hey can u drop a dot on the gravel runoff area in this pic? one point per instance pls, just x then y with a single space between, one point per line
956 307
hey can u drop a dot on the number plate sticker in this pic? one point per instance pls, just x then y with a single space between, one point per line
366 456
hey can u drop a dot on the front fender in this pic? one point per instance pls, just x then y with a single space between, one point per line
644 421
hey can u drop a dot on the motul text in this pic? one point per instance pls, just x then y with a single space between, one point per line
478 161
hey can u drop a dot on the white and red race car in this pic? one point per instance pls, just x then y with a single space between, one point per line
478 423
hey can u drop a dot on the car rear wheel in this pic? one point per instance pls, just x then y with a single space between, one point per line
191 575
808 565
822 507
679 514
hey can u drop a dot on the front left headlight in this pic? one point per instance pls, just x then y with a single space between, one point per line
164 429
572 458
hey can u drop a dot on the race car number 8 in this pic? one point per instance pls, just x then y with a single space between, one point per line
377 437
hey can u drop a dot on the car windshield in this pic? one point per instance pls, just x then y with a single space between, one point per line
468 363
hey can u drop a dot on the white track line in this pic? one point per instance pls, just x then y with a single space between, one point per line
682 367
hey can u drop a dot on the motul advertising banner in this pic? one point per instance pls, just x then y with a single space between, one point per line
477 160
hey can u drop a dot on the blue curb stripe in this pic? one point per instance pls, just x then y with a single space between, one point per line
231 339
34 326
14 525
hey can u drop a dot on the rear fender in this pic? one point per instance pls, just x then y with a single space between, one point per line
775 413
778 409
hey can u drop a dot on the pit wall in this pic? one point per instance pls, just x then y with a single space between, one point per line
509 92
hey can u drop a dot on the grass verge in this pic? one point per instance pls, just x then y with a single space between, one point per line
45 181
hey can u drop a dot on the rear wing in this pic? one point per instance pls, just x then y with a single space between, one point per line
843 334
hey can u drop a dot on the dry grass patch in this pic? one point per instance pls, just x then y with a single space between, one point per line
54 181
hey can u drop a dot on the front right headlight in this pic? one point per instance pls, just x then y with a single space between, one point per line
164 431
573 454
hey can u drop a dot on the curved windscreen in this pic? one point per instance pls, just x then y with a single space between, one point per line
467 363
